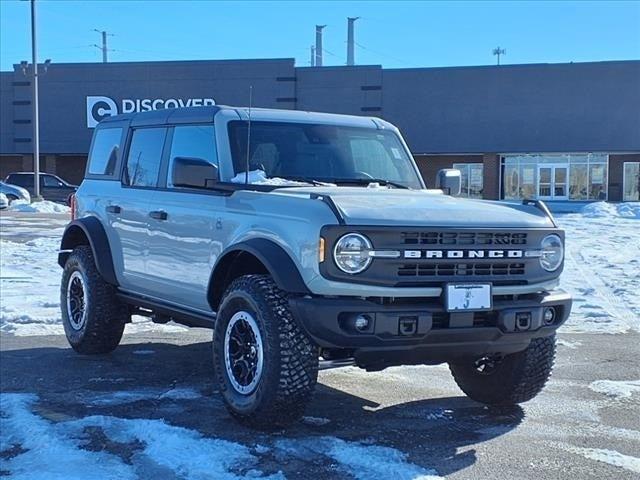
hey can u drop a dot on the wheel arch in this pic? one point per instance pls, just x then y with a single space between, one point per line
255 256
89 231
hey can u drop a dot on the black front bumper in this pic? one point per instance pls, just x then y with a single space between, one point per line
422 332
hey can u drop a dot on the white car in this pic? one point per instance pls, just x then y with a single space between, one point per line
14 192
4 201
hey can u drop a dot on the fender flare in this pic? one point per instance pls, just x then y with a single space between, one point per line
275 259
91 229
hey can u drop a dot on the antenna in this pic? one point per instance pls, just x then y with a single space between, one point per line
499 51
246 169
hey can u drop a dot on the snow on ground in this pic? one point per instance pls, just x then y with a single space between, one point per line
44 206
617 389
611 457
602 271
602 267
141 448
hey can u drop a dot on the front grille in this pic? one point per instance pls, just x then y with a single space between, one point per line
463 238
459 269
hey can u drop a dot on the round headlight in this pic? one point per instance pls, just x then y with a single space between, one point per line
552 253
351 253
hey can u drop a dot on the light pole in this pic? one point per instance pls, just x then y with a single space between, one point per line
499 51
36 120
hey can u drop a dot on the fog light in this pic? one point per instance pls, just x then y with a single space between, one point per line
549 315
362 322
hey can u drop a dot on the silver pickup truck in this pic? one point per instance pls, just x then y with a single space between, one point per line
305 241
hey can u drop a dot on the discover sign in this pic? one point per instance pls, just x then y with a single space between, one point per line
99 107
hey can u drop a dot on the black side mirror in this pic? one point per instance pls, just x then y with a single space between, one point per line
192 172
449 180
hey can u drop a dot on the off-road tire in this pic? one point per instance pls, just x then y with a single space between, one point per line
517 378
290 365
106 315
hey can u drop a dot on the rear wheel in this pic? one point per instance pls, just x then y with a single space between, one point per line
510 380
92 316
266 366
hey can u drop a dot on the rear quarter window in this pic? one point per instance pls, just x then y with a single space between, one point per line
104 151
25 181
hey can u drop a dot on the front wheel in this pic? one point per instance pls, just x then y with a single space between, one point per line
514 379
266 366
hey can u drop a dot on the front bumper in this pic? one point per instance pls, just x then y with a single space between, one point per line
422 332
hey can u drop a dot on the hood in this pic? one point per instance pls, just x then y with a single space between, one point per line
396 207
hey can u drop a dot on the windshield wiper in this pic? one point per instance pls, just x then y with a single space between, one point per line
369 181
316 183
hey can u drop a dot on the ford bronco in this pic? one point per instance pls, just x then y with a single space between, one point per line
305 241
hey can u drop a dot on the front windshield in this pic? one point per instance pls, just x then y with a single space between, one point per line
321 153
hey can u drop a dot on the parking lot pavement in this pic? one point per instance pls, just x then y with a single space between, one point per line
575 429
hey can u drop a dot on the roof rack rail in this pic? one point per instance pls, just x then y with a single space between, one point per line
540 205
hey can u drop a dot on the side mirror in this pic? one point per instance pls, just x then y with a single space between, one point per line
192 172
449 181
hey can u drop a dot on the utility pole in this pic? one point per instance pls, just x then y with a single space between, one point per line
313 56
104 44
319 49
499 51
350 40
36 122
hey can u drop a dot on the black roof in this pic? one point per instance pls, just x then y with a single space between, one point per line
166 116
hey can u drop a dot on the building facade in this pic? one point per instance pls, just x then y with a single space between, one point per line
558 132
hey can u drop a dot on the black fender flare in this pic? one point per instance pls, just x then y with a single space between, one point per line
91 229
275 259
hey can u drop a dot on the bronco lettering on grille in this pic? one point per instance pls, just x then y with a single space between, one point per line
430 254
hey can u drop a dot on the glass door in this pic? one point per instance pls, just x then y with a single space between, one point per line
552 182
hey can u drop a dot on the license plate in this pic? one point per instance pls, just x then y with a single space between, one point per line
468 297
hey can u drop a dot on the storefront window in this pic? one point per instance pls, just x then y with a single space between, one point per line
471 176
555 177
631 182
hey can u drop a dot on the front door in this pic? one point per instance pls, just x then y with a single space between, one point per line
552 182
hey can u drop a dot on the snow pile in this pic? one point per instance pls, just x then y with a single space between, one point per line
123 397
44 206
617 389
259 177
604 209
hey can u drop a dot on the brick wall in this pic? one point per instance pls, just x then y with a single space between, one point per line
430 164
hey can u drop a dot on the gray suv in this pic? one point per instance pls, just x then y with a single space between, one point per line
305 241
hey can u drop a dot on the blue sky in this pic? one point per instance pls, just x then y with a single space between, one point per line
394 34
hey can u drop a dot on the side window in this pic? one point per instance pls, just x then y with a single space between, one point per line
49 181
192 141
145 154
104 151
25 181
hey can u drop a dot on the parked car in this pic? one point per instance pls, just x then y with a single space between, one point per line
52 187
4 201
307 240
14 192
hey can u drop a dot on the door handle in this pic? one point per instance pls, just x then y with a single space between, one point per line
158 214
113 209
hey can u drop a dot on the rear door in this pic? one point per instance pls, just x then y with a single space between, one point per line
184 235
128 212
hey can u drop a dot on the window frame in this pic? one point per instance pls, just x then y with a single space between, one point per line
160 182
624 179
467 166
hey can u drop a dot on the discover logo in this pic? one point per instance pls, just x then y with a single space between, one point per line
100 107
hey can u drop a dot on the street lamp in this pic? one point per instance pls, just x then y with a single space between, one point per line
36 122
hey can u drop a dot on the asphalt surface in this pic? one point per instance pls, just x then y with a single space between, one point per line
416 410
